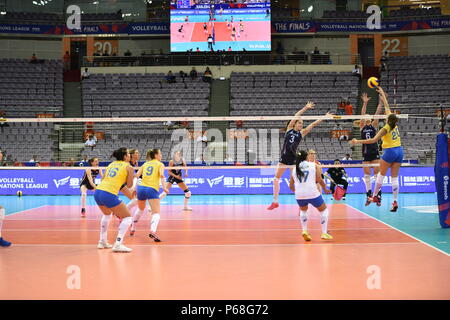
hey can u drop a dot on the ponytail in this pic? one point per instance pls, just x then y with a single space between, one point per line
120 154
300 157
392 121
151 153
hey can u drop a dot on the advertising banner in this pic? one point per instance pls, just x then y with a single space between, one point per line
206 181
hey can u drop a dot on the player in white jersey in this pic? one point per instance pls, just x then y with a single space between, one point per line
303 182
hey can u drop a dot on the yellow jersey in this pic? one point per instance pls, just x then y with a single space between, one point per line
150 174
392 138
115 176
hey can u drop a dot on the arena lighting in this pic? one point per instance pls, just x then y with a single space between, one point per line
310 8
3 12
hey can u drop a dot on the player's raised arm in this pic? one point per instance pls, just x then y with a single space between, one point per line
312 125
365 100
308 106
384 100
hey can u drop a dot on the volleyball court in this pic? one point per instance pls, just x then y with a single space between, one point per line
229 246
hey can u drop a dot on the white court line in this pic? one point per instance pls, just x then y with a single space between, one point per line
11 214
225 245
429 245
190 230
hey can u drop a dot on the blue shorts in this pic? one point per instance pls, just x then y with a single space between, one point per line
393 155
106 199
146 193
316 202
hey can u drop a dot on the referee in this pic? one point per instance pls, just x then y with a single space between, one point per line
336 176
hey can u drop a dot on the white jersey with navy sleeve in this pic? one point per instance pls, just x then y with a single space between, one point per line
306 187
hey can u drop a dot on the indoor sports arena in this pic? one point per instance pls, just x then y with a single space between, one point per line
224 150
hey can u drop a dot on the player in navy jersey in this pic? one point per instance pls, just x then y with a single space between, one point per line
292 138
88 182
370 152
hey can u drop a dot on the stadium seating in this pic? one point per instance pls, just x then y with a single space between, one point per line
27 89
21 141
140 95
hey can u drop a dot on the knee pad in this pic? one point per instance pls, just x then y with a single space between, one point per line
276 179
380 179
187 193
394 180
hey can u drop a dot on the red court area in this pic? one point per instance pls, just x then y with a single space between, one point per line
218 252
194 32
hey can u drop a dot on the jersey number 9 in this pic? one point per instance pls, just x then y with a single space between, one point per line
149 171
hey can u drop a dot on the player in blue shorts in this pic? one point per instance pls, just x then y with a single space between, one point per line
392 156
303 182
106 196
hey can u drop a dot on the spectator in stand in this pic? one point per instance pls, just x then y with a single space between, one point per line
85 74
384 60
35 160
33 58
97 53
316 50
91 141
207 76
198 49
347 157
127 53
348 108
228 159
357 72
170 78
341 107
84 162
182 75
200 159
193 74
66 60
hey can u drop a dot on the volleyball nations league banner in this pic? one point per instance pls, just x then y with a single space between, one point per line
442 179
204 181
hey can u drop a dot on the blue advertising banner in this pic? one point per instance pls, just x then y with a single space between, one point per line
441 170
206 181
149 28
386 26
99 29
30 29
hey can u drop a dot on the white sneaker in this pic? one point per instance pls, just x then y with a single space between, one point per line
121 248
187 209
104 245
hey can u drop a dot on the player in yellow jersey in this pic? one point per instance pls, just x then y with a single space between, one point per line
106 196
392 156
152 172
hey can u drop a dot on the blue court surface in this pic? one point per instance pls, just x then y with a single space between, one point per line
222 45
417 215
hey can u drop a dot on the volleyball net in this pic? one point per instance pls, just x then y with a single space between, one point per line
201 140
223 155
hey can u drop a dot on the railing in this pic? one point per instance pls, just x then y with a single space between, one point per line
221 58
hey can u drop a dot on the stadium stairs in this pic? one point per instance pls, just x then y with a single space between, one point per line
71 134
220 106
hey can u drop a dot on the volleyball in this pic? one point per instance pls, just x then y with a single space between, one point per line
19 193
373 82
